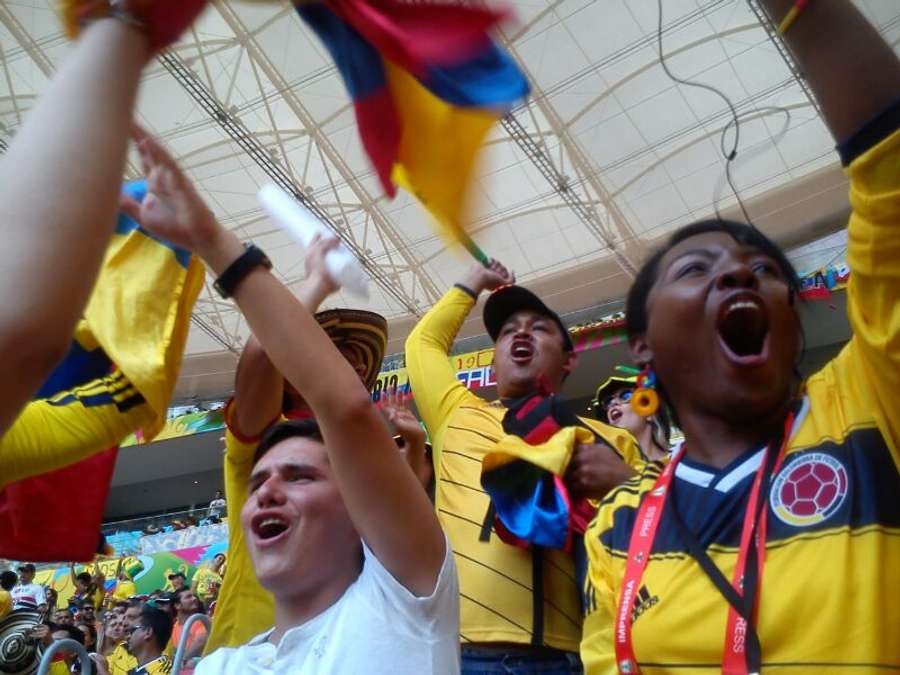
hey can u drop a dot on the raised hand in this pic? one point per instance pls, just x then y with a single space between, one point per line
172 209
318 284
595 469
396 408
480 278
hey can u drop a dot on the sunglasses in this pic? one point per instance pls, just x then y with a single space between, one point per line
620 397
132 629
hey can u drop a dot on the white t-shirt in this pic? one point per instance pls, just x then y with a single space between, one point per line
28 595
377 627
217 507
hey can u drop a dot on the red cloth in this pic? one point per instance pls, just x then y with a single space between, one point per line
57 515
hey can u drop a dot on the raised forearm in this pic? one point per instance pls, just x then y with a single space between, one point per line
59 191
852 71
258 391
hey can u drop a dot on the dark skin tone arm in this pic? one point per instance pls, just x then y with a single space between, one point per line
853 72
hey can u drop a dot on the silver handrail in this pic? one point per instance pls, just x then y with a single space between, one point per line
87 665
185 634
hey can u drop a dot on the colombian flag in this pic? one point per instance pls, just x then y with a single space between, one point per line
427 84
57 459
530 503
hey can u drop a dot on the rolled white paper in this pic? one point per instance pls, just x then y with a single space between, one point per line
302 225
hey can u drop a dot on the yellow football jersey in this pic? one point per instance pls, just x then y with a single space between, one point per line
828 596
121 661
244 609
495 579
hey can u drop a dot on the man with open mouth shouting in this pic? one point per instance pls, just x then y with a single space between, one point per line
337 525
520 606
772 538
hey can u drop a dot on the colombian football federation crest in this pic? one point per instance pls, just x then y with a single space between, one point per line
809 490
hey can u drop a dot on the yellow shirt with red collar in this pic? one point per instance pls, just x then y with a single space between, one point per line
828 596
244 609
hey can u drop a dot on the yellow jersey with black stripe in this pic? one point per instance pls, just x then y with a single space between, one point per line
244 609
831 583
495 579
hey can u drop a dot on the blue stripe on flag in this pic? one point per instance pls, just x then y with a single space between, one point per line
137 189
358 61
79 367
490 80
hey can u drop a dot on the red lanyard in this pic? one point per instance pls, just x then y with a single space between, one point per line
641 544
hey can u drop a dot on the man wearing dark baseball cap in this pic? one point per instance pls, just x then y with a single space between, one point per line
27 594
178 581
501 615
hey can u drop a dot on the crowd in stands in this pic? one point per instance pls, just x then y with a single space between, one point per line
125 631
550 543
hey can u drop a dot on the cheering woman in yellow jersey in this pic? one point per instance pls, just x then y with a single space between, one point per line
771 540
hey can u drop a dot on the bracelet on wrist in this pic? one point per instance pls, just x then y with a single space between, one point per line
468 291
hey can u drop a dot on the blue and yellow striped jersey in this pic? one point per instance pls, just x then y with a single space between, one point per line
830 590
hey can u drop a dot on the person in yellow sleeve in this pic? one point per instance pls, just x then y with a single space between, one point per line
59 188
503 619
207 580
771 540
8 581
146 642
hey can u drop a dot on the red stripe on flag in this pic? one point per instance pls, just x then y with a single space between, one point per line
56 515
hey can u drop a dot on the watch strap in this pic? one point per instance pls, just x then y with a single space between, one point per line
250 259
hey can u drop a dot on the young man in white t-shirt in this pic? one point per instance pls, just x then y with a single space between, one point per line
27 594
338 526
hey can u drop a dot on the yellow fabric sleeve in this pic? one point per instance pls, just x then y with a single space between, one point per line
435 386
244 609
874 287
49 435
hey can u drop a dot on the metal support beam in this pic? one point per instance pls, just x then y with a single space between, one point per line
785 53
581 205
394 241
250 144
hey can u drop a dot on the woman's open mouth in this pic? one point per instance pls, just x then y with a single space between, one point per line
743 328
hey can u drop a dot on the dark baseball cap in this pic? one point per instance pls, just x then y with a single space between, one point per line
507 300
177 574
27 567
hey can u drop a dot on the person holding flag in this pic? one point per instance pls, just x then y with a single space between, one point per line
519 603
80 335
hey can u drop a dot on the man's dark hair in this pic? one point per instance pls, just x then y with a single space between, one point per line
71 631
84 577
636 305
8 580
134 602
176 600
90 628
159 623
87 604
122 604
307 428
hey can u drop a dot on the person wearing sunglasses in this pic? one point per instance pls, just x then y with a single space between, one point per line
612 404
147 640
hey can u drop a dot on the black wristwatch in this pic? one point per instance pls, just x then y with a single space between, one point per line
249 260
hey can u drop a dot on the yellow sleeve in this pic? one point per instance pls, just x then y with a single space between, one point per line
874 286
59 668
71 426
597 645
434 383
5 603
244 609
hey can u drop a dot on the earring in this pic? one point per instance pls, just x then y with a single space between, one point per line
645 400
